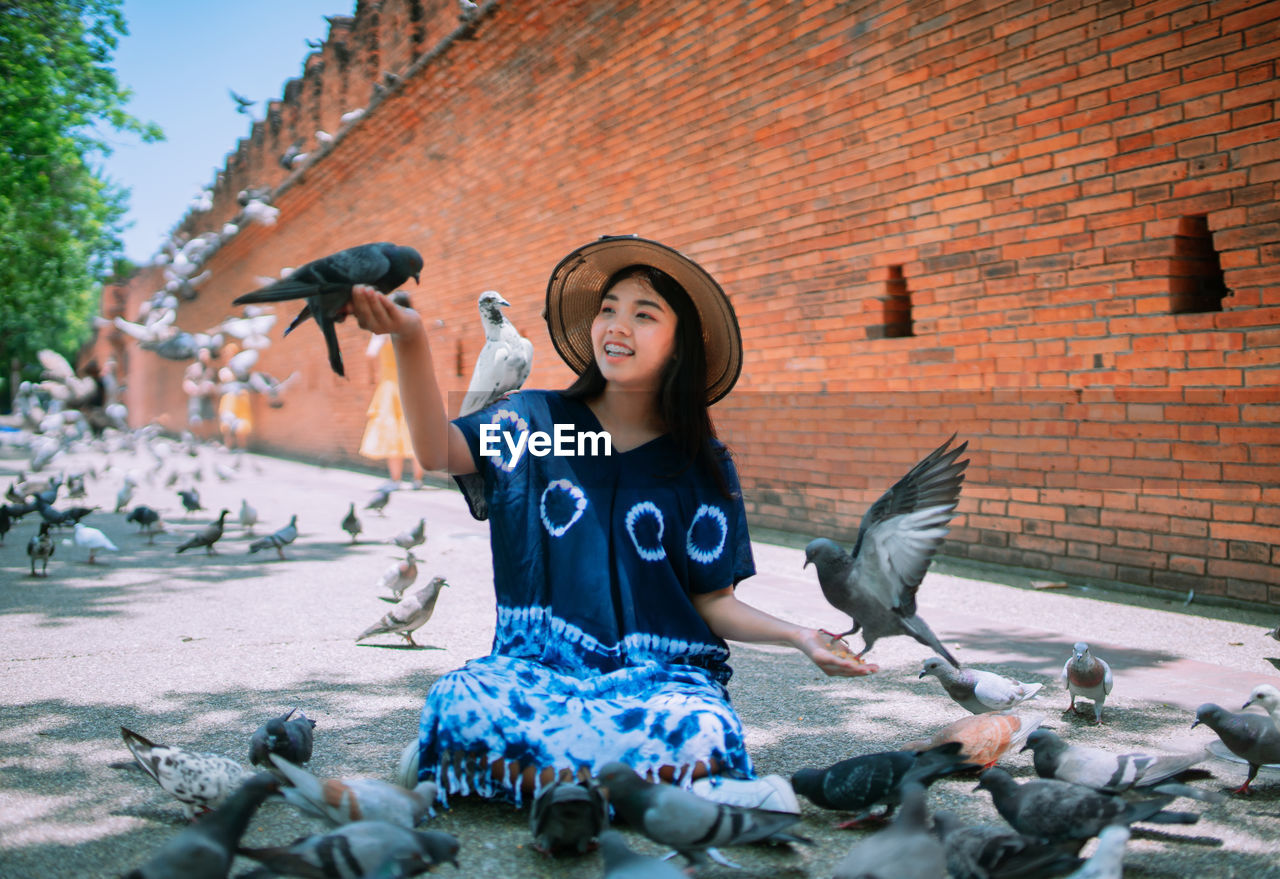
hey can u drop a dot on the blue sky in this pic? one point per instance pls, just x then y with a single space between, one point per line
179 60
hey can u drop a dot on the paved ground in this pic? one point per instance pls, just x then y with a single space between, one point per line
197 650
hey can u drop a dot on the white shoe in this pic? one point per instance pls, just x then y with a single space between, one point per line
771 792
407 774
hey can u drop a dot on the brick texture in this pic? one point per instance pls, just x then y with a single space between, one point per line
1026 172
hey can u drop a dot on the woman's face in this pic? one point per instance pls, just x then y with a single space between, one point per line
633 335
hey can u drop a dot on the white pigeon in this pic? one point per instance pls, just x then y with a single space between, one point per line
242 362
504 361
352 116
1107 861
344 800
93 540
199 781
248 516
323 136
125 494
1266 697
260 212
409 615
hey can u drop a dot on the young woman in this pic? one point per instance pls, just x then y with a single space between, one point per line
614 573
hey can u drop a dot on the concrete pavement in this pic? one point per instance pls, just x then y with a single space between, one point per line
198 650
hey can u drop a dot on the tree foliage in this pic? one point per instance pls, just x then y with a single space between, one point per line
60 218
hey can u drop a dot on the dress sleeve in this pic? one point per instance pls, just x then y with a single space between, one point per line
486 430
719 544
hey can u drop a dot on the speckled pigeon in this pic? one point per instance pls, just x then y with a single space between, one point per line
199 781
1253 738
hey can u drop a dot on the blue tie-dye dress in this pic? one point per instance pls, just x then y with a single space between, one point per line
598 653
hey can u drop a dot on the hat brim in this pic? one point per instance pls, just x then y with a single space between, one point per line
577 285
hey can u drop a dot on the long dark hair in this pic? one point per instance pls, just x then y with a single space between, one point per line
682 386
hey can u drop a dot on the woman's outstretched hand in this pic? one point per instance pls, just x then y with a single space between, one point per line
832 655
375 312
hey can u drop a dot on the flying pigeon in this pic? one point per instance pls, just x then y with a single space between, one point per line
248 516
242 103
568 816
1253 738
270 387
344 800
206 849
986 851
351 523
1266 697
41 548
1055 811
984 738
279 539
410 537
409 615
505 360
1107 861
291 739
326 285
378 502
190 500
903 850
979 691
860 783
206 536
93 540
400 576
620 862
694 827
199 781
877 584
360 849
1088 676
1107 772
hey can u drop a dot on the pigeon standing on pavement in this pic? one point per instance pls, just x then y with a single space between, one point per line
620 862
979 691
987 851
1253 738
207 536
378 503
326 285
93 540
206 849
199 781
877 583
860 783
351 523
291 739
411 537
1107 772
359 849
691 825
248 516
984 738
568 816
400 576
505 360
40 548
1107 861
278 539
903 850
409 615
1056 811
344 800
190 500
1266 697
146 519
1088 676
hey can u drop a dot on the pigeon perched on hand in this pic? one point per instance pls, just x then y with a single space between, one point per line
278 539
1253 738
1056 811
199 781
207 536
409 615
860 783
694 827
903 850
40 548
359 849
1111 773
400 576
620 862
1088 676
984 738
326 285
568 816
986 851
979 691
291 739
411 537
1266 697
93 540
877 583
206 849
505 360
351 523
344 800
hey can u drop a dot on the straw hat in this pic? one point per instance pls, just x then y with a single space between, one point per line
577 284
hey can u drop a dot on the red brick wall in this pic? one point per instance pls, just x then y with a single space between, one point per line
1031 174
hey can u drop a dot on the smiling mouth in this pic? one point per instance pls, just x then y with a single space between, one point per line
612 350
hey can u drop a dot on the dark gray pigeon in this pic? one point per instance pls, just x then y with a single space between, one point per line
903 850
5 522
1112 773
1253 738
351 523
40 548
378 502
861 783
360 849
985 851
190 500
291 739
326 285
146 519
876 584
620 862
694 827
1089 676
278 539
206 849
568 817
207 536
1055 811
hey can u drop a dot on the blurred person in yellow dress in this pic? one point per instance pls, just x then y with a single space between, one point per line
386 435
